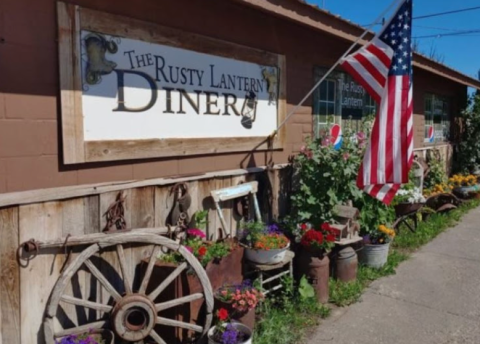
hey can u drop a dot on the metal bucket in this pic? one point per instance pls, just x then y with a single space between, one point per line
269 257
238 326
374 256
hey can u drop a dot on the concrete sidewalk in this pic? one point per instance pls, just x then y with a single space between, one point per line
434 297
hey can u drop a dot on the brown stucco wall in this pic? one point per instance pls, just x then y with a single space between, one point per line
30 140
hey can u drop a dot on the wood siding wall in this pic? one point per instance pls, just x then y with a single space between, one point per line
24 292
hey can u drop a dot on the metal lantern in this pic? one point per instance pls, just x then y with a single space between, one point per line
249 110
418 170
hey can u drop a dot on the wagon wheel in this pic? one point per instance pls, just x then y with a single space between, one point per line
133 315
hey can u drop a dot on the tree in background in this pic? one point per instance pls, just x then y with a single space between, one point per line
468 149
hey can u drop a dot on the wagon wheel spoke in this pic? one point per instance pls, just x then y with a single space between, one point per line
156 337
153 295
123 266
82 328
181 324
180 301
102 279
148 272
85 303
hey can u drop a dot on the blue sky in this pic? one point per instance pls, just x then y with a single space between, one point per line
459 52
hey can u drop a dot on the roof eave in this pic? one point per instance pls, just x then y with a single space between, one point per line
313 17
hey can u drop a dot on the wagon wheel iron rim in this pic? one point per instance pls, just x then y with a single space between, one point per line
134 315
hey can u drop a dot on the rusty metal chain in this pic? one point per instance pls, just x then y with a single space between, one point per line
115 215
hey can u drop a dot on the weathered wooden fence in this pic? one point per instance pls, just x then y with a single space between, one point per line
52 214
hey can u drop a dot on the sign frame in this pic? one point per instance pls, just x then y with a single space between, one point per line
72 19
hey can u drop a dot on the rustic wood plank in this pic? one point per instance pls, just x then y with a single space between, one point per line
92 214
142 215
227 207
73 224
109 150
163 203
205 200
70 82
59 193
42 222
10 282
108 263
236 219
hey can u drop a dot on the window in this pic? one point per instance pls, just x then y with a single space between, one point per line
341 100
326 102
437 118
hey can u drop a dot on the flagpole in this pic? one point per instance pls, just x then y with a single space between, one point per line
272 135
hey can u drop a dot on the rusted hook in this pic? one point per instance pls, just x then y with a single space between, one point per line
27 251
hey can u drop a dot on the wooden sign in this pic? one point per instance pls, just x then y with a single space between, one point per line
132 90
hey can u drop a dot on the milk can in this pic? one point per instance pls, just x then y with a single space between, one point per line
316 268
346 264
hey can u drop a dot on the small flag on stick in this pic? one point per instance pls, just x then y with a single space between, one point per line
384 68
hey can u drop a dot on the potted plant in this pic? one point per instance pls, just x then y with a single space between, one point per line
408 199
240 300
222 261
376 247
228 332
100 336
313 261
264 244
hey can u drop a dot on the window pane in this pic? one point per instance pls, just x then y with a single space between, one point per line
330 109
331 90
323 91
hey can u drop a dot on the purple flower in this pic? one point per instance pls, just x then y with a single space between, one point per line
273 229
189 249
361 136
195 232
230 335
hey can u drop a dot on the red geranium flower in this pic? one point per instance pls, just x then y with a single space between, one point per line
202 250
222 314
331 237
303 226
312 238
325 226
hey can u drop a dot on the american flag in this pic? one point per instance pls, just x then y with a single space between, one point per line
384 68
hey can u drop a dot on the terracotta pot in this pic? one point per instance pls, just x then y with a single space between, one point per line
227 270
316 267
247 318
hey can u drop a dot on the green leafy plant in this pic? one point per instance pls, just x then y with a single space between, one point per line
201 219
305 289
437 173
468 150
204 251
327 176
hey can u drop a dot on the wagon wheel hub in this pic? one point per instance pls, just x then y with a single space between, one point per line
133 317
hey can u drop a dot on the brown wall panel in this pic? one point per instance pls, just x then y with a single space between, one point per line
29 108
